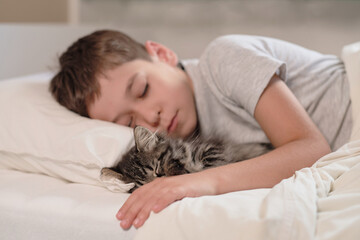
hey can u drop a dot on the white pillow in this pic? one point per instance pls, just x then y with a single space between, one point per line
38 135
351 58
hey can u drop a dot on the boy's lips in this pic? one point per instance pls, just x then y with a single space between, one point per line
173 124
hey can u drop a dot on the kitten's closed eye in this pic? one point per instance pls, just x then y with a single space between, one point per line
156 155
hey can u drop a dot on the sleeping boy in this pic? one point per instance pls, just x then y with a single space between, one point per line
247 89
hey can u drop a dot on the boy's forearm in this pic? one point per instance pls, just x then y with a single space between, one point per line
269 169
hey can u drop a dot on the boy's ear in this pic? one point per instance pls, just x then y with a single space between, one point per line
159 52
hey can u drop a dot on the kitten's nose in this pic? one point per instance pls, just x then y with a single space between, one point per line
157 172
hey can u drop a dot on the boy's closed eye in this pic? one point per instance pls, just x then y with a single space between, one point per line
145 90
140 86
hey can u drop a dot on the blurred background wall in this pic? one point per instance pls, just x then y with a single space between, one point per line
20 11
188 25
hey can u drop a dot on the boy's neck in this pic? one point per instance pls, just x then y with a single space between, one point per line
181 66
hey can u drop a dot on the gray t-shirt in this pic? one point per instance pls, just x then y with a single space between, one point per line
234 70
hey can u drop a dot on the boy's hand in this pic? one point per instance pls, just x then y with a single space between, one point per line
158 194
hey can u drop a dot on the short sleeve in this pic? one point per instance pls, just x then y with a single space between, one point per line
239 69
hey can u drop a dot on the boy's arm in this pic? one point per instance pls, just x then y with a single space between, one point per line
297 141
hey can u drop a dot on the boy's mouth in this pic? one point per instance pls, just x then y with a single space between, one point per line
173 124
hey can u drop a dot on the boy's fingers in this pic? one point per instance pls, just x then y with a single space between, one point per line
125 224
154 196
134 198
141 217
137 208
127 204
146 209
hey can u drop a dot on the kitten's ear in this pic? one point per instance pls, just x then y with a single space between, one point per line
145 140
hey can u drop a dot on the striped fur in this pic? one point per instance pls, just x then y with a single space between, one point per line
155 155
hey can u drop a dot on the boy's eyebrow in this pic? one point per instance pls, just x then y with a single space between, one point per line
127 92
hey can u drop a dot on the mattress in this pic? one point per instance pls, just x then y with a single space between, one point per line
35 206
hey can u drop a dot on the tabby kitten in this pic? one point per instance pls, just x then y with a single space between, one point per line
156 155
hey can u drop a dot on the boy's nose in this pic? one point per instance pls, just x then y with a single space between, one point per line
150 121
148 117
154 119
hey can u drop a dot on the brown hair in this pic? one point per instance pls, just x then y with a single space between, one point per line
75 85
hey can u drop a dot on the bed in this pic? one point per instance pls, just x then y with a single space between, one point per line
51 186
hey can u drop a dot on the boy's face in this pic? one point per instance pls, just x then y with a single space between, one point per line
155 95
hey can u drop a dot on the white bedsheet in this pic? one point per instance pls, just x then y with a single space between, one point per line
35 207
321 202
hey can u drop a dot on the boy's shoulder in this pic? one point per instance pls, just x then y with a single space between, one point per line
226 47
235 42
227 40
238 45
239 39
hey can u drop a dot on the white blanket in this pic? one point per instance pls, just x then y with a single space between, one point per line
321 202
